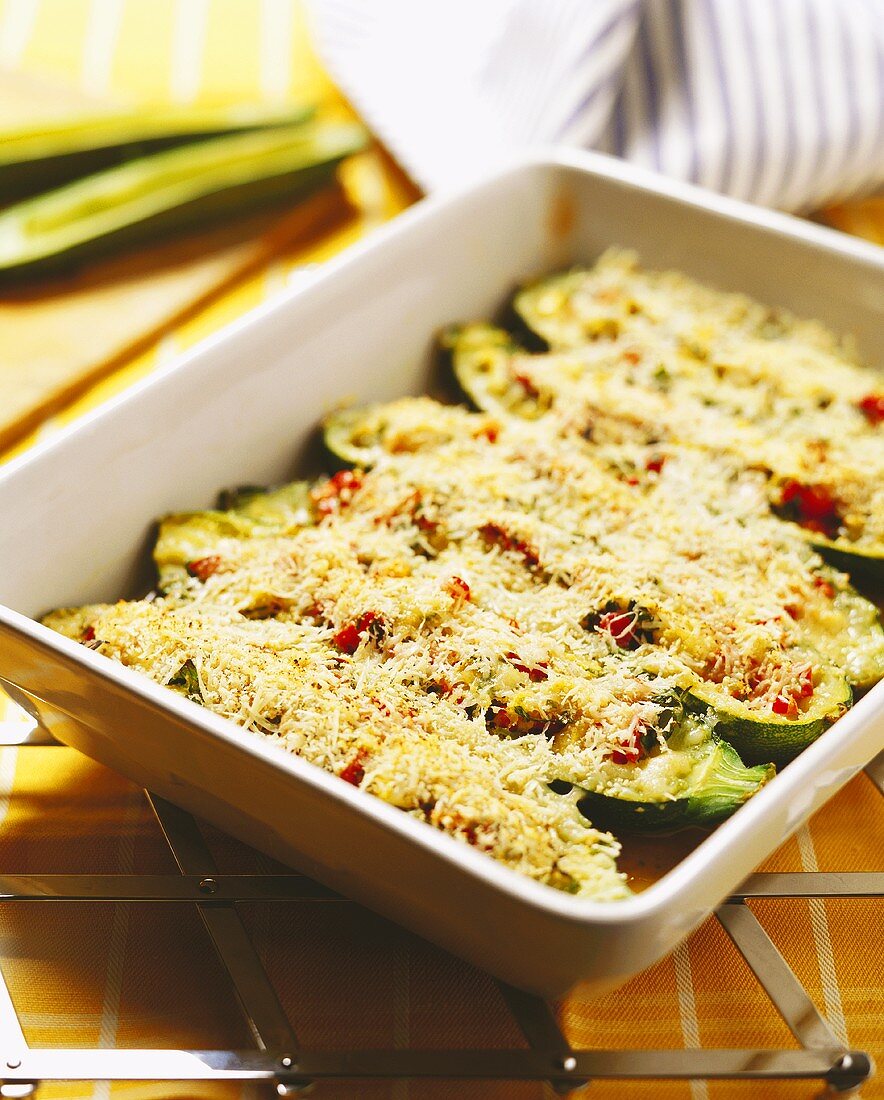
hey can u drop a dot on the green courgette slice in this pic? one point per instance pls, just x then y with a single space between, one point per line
691 782
356 436
545 308
866 561
190 186
361 436
481 358
187 541
37 158
765 736
846 631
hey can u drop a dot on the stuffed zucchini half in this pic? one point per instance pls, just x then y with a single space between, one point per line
814 426
697 781
767 714
191 544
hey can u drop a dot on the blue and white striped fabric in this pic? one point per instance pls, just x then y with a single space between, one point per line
777 101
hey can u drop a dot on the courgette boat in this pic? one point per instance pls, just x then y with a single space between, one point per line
189 544
689 784
190 186
766 735
360 436
499 376
37 158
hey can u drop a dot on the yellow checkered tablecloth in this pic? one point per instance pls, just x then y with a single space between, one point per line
142 975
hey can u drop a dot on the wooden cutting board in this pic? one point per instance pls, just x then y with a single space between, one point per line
58 338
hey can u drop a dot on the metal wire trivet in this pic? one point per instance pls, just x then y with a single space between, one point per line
279 1060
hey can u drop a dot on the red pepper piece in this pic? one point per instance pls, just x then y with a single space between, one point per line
203 568
347 639
89 634
872 407
825 588
655 464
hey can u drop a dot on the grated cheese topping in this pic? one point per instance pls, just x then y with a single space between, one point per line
501 606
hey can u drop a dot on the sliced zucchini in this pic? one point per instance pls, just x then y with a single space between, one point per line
697 780
359 437
75 622
763 735
283 508
189 186
188 541
45 156
481 357
545 307
862 560
846 630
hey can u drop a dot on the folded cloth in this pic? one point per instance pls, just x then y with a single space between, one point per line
777 101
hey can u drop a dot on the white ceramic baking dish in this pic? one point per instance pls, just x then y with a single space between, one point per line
239 409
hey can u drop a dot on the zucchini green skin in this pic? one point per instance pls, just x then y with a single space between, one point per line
186 537
342 428
481 354
722 786
770 737
191 186
864 562
480 359
857 649
538 306
34 160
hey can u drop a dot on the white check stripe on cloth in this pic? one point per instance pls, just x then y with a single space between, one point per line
780 103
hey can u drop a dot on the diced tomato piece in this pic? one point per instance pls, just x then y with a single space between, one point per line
89 634
825 588
872 407
655 463
372 622
347 639
502 719
817 502
494 533
527 385
354 772
813 506
786 706
337 492
635 749
203 568
458 588
536 674
804 689
790 490
623 628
